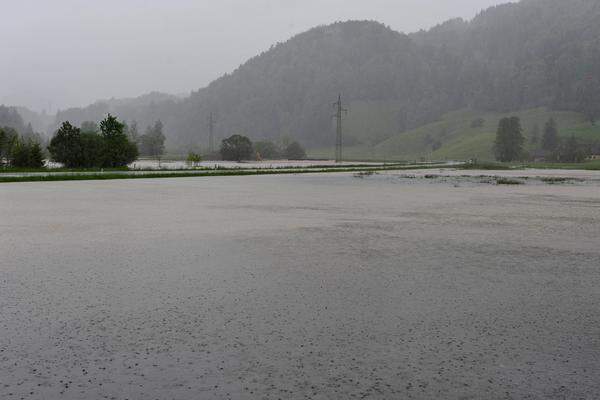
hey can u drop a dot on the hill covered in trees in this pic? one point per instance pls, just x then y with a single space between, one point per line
11 118
533 55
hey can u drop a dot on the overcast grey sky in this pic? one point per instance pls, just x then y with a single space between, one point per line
73 52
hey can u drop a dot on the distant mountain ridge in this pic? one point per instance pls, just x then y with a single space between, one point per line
516 56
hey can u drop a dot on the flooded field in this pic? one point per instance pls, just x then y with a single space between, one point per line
153 164
152 167
327 286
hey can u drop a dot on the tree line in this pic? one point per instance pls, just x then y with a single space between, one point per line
510 141
113 144
239 148
86 147
110 144
20 146
20 151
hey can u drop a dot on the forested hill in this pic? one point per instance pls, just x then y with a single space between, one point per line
536 53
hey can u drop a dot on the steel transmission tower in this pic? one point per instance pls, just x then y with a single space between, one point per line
339 138
211 133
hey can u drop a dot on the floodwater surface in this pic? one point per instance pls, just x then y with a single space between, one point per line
319 286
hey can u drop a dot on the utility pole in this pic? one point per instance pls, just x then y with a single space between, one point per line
211 133
338 140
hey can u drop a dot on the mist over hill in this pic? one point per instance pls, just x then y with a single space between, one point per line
513 57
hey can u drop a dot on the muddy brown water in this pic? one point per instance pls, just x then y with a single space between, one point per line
295 287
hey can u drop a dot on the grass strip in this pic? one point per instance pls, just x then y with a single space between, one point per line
217 172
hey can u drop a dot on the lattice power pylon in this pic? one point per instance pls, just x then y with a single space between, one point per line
211 133
339 143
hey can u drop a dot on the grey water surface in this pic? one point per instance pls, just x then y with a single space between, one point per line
294 287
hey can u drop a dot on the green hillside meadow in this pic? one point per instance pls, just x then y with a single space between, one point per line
455 136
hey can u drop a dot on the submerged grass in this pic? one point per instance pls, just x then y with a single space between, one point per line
483 165
553 180
587 166
498 166
508 181
364 174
